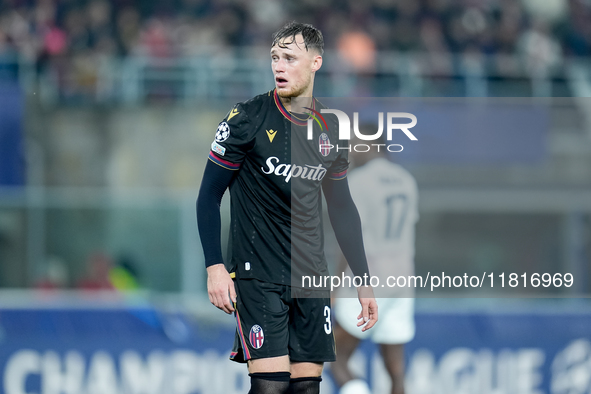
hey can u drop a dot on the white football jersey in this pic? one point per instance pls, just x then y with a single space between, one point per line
386 196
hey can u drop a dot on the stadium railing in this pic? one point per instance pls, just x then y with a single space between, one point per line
211 76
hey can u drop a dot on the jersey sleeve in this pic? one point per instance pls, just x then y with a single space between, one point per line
232 140
338 169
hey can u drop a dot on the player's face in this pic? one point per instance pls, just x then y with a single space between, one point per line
294 67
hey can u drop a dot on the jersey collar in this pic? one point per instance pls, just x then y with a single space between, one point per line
288 114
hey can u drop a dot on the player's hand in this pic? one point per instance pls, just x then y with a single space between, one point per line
369 308
220 288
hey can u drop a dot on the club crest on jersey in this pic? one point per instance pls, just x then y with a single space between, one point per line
222 133
324 144
256 336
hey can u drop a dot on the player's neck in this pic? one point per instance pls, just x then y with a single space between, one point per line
297 103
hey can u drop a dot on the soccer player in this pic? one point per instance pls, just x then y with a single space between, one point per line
387 198
275 176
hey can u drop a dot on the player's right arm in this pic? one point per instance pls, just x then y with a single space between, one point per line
227 153
220 286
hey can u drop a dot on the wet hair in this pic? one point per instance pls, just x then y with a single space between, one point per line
312 36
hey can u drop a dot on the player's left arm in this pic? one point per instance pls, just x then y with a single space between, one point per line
346 223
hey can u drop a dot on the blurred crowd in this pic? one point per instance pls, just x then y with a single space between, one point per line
71 40
38 29
100 272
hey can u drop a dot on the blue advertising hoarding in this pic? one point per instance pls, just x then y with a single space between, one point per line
11 136
142 350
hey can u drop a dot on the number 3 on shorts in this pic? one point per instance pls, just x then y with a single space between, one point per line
328 324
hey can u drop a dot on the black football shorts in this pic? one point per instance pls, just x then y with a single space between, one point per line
272 323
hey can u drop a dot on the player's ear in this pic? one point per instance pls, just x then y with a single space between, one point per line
316 63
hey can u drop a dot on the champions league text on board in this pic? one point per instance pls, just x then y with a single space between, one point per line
392 123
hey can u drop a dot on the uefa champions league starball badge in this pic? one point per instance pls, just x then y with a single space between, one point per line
223 132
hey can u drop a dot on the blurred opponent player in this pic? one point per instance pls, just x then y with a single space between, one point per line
386 196
276 199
